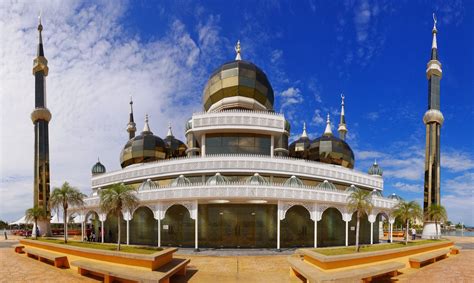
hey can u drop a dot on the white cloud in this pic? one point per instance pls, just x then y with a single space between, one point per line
362 17
290 96
462 185
459 208
276 55
95 65
456 161
367 154
317 118
372 116
414 188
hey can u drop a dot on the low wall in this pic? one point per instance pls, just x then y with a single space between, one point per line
151 261
339 261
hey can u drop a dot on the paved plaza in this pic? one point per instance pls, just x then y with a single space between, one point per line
229 267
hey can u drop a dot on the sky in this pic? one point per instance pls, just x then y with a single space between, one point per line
162 52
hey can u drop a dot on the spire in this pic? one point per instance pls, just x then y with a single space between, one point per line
342 123
131 126
146 127
375 161
328 131
40 51
237 50
170 133
434 44
304 134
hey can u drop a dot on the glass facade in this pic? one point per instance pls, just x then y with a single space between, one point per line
177 228
297 229
143 227
111 229
332 150
331 229
238 144
237 225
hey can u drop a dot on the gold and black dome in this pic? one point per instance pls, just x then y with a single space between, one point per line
145 147
174 147
98 168
300 147
238 84
332 150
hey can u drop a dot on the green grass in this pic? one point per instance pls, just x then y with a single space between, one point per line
372 248
100 246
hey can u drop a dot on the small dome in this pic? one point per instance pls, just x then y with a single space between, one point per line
326 186
217 179
174 147
180 181
395 197
147 185
256 179
352 189
293 181
376 193
375 169
145 147
98 168
300 147
238 84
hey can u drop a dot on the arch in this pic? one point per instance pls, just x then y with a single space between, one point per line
143 227
364 232
288 205
177 227
111 229
297 229
382 217
92 225
331 228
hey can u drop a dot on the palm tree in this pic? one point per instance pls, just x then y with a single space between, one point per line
115 198
62 198
359 201
407 211
34 214
436 212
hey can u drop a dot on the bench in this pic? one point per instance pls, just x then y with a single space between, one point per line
455 250
45 256
312 274
112 272
19 248
417 261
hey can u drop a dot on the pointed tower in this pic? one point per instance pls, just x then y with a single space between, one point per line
433 119
342 123
328 130
40 118
237 51
131 126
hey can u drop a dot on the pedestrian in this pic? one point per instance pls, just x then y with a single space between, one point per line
93 236
5 233
413 233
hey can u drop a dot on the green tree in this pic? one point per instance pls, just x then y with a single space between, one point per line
34 214
407 211
436 213
115 199
360 202
63 197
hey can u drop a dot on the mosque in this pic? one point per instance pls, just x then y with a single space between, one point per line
236 182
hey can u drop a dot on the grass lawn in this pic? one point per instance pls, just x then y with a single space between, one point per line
372 248
100 246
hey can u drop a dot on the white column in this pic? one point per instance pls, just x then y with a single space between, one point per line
315 233
203 145
196 246
272 146
371 233
278 232
159 232
102 229
347 233
82 231
391 232
128 232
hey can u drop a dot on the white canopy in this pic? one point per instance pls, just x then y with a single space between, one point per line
56 219
21 221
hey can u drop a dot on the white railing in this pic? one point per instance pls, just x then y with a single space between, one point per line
228 164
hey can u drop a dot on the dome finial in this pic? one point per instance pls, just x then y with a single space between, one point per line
146 127
328 131
40 51
304 134
375 161
131 126
170 133
434 44
342 129
237 50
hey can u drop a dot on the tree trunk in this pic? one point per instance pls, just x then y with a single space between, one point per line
36 229
406 234
118 227
436 224
357 232
65 224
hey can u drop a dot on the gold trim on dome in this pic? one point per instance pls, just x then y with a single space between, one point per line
40 64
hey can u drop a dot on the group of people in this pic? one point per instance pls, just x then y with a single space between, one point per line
92 237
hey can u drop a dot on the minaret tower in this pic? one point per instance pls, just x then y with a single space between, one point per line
131 126
41 117
433 119
342 124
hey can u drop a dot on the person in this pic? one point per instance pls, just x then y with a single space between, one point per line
5 233
93 236
413 233
37 231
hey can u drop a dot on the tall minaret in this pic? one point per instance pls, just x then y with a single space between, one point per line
433 119
41 117
131 126
342 124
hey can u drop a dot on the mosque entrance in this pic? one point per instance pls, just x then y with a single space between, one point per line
237 225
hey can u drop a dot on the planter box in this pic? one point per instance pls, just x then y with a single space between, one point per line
339 261
151 261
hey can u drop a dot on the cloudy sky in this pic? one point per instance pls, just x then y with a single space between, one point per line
101 53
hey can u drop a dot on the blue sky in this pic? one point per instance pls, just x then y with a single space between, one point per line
375 52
